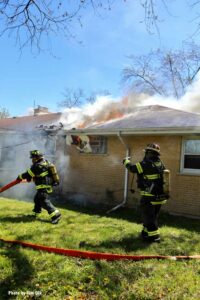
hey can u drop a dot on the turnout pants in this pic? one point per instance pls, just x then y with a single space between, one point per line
41 201
150 215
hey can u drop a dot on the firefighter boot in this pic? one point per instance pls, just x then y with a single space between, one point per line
154 238
55 217
144 233
33 216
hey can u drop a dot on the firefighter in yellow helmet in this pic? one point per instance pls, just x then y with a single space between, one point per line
150 180
45 176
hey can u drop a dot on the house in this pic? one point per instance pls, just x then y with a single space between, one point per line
99 177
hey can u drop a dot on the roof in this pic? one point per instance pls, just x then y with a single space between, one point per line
152 119
29 123
149 120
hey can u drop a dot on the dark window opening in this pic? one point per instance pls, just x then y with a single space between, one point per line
192 162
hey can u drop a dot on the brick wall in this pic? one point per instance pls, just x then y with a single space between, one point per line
100 178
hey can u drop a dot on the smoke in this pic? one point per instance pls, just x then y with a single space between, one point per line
15 159
107 108
188 102
62 162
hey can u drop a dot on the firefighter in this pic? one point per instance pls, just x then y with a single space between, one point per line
150 179
45 176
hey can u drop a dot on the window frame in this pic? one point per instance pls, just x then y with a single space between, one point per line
105 146
183 170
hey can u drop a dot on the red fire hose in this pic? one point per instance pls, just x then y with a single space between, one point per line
10 184
97 255
89 254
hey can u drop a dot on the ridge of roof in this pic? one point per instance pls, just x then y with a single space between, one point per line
157 107
31 116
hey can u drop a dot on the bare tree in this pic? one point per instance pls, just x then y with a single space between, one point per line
93 95
72 98
29 21
77 97
151 13
4 113
167 73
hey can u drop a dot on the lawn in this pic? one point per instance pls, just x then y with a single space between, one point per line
32 274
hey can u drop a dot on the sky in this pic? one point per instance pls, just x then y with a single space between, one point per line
95 63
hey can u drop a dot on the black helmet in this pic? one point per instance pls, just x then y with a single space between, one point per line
153 147
35 154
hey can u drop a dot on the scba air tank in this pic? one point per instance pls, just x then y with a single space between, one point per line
166 181
53 173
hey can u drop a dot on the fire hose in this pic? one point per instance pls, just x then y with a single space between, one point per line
89 254
97 255
9 185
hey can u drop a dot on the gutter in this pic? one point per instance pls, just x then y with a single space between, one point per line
125 177
136 131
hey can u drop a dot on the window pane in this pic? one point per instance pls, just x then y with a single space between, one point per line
98 144
192 147
192 162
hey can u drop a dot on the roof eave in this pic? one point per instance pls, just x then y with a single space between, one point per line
137 131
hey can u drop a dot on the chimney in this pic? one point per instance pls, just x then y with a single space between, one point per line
41 110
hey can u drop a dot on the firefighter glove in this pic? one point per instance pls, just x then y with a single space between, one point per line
126 161
19 178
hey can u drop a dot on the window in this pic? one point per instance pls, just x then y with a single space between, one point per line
98 144
191 156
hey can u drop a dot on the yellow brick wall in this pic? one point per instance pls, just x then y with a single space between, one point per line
100 178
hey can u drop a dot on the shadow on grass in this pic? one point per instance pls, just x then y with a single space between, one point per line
134 215
22 272
24 219
127 244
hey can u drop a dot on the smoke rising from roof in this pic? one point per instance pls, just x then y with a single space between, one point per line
189 102
107 108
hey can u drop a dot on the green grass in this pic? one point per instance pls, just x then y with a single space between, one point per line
31 274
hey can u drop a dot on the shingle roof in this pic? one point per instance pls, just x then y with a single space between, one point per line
28 123
149 119
144 118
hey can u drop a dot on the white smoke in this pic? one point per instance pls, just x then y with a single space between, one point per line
15 150
107 108
189 102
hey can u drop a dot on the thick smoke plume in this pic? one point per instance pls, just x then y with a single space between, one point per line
107 108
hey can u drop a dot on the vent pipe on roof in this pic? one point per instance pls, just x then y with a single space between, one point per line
125 177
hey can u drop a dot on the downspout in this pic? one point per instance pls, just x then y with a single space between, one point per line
125 177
